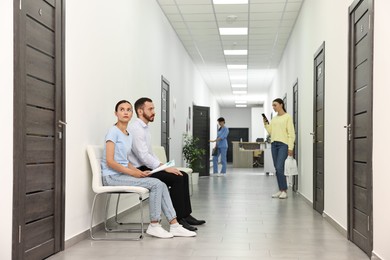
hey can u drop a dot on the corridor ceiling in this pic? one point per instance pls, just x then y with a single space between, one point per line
269 24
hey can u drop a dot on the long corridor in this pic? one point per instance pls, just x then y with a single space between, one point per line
243 222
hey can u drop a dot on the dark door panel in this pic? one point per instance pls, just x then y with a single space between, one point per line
165 115
201 130
38 219
318 129
360 125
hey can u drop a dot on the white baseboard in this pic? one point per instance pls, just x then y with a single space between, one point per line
335 224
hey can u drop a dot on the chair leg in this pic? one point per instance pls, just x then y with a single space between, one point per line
132 230
110 230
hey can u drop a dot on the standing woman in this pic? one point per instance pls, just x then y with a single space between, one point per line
282 134
118 171
221 146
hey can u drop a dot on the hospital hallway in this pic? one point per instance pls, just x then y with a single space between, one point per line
243 222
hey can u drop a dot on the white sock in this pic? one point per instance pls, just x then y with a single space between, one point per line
175 225
155 224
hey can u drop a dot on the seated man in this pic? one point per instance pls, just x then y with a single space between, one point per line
142 157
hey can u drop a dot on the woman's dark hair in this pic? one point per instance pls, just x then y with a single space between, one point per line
140 103
280 101
221 119
119 103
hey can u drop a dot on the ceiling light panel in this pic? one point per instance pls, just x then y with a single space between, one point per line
237 66
229 2
235 52
241 105
192 2
239 92
233 31
239 85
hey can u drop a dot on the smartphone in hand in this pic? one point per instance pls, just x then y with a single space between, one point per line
264 117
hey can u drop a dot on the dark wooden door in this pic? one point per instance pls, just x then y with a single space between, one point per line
295 121
318 129
38 217
360 125
201 130
165 115
236 134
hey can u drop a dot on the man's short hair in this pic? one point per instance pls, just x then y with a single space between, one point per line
140 103
221 119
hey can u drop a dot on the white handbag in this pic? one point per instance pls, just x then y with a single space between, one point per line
290 166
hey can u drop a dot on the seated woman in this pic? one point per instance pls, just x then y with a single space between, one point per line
117 171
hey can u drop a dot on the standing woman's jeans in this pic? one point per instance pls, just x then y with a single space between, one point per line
223 153
279 156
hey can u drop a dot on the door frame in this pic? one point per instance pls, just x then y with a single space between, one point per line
19 116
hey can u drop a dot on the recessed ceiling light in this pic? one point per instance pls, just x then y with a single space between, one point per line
241 105
233 31
240 101
235 52
239 85
237 67
238 92
229 2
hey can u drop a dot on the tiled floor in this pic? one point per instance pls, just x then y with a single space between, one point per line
243 222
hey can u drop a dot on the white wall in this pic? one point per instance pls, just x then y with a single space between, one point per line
6 129
297 62
381 176
120 57
308 35
236 118
257 126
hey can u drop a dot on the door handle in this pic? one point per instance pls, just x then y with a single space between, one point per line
61 123
349 130
314 136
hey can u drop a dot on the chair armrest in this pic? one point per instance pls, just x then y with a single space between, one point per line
184 169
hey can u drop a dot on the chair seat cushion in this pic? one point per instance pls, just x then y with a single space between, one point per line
124 189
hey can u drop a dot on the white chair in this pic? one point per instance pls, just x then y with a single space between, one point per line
95 154
159 151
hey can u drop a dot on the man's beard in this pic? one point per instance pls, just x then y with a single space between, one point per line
149 118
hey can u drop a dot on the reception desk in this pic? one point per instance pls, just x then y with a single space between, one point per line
243 153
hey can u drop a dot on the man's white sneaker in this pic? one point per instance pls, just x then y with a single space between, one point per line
277 194
283 195
157 231
179 231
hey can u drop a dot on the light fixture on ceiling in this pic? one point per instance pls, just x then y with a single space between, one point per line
229 2
241 105
240 101
237 67
239 85
239 92
234 31
235 52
